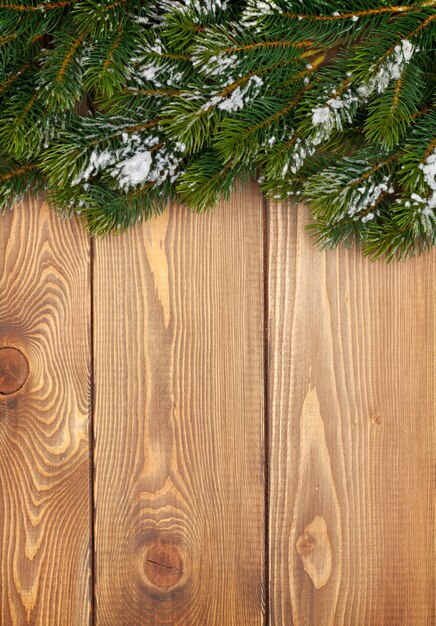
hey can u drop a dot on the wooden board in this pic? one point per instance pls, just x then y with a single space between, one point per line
44 413
352 434
178 312
180 375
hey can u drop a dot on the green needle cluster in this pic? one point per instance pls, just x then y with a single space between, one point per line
115 107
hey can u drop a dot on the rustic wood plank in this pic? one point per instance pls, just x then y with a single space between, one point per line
178 419
44 412
352 435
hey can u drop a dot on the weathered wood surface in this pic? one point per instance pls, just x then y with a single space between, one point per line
218 342
44 411
352 434
179 366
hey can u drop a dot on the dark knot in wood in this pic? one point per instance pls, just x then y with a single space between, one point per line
163 564
315 551
305 545
14 370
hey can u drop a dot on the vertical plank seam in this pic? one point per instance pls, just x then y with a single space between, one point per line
92 619
266 458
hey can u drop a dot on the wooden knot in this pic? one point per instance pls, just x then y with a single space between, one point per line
305 545
314 548
14 370
163 564
375 418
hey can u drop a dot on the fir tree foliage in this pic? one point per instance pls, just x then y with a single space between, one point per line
115 107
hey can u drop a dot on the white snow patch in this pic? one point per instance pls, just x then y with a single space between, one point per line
134 170
366 196
320 115
216 64
97 162
391 69
336 103
429 170
333 114
205 7
258 8
235 101
149 73
425 207
211 103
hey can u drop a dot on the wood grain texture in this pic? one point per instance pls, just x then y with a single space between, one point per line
352 434
44 412
179 494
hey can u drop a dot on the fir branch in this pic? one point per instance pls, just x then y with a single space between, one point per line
354 15
36 8
334 103
430 149
113 48
278 43
234 136
16 180
18 171
4 86
69 56
168 92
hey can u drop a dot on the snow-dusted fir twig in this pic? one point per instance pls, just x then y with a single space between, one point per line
116 107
